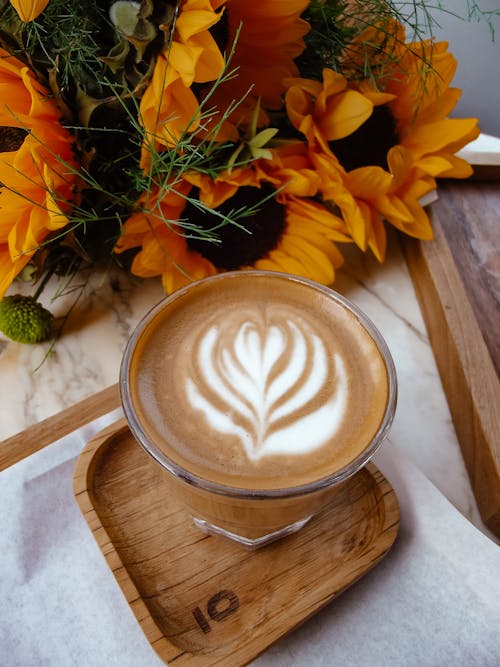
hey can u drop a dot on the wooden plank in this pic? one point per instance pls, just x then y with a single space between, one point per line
448 277
468 214
38 436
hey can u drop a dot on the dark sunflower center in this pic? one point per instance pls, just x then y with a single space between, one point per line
220 31
11 138
370 143
240 247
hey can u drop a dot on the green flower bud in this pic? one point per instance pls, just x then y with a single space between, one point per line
25 320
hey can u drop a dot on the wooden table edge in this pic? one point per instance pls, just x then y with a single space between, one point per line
49 430
467 372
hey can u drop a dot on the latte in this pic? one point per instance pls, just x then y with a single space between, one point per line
257 381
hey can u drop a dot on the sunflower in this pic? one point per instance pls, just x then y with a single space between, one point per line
325 112
281 227
268 36
382 169
36 165
155 228
169 107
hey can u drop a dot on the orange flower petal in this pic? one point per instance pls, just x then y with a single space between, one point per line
28 10
344 114
39 177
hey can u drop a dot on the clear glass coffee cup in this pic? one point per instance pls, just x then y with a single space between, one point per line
259 394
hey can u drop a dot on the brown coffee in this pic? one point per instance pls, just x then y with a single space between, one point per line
258 381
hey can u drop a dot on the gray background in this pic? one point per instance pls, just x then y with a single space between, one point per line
478 72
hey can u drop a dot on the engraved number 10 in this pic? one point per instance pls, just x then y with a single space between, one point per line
220 605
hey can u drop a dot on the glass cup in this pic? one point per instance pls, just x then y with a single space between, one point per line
253 509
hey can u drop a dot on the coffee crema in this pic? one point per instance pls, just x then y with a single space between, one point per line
258 381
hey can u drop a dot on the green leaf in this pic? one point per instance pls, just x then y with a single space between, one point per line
263 137
261 153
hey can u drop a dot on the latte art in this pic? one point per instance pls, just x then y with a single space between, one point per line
257 381
274 387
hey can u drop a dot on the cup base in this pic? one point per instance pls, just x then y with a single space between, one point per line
250 543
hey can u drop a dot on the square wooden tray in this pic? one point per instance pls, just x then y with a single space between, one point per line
202 600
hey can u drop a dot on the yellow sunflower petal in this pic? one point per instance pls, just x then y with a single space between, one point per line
308 233
315 262
334 111
365 181
344 114
442 107
196 17
393 208
183 267
39 177
215 191
9 269
28 10
303 183
377 237
277 260
438 135
434 165
458 168
291 171
169 106
270 36
150 259
420 227
210 62
315 213
299 109
376 96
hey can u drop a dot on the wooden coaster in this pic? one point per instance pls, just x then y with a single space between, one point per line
202 600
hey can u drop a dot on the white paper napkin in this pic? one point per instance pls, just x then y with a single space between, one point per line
433 601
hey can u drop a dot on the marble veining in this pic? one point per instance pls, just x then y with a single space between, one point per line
37 381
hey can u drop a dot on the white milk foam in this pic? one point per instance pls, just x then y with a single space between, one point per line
264 374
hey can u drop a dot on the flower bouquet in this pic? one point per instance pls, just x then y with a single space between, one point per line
182 138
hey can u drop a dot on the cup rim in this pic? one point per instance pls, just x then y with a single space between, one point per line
186 476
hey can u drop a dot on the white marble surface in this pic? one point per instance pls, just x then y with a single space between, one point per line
86 358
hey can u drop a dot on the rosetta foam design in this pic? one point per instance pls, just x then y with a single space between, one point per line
270 387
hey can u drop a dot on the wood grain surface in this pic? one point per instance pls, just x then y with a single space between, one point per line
38 436
456 278
203 600
469 217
